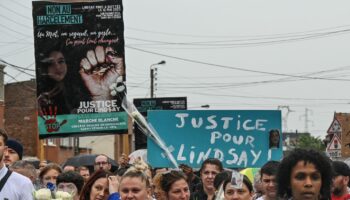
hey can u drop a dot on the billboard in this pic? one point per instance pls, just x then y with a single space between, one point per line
239 138
79 57
163 103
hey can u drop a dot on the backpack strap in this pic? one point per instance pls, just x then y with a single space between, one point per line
3 180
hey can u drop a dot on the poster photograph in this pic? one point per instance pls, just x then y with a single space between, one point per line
79 57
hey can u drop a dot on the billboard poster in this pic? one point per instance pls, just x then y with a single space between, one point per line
79 57
239 138
163 103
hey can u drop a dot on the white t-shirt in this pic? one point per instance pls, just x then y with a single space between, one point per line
17 186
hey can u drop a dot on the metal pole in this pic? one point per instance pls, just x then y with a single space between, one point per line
152 82
76 145
152 76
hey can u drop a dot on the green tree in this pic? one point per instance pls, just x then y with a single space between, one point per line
310 142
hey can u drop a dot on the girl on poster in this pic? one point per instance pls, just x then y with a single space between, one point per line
55 89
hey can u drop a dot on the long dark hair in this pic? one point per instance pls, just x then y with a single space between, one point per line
68 91
270 138
44 81
85 192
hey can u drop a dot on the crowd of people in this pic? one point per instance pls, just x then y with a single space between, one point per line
303 174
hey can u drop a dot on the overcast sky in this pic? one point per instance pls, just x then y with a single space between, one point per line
228 54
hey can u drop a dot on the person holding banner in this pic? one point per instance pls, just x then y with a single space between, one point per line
101 185
209 169
305 174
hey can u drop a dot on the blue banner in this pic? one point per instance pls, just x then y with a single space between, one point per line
239 138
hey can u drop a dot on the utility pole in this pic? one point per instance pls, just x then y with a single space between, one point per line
306 119
152 82
285 117
76 145
152 75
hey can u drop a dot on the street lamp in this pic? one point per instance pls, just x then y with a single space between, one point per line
152 75
205 106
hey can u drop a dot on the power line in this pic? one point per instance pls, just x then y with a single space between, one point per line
234 68
17 13
245 96
237 36
13 78
240 84
16 52
15 66
267 97
15 42
15 1
6 27
20 69
25 68
226 44
242 41
342 68
16 22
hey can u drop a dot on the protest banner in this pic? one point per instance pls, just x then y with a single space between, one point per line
239 138
79 56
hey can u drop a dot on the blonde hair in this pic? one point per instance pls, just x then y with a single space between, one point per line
140 165
133 173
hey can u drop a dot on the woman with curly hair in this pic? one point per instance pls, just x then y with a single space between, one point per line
304 174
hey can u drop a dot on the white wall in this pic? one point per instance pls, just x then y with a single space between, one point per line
99 144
